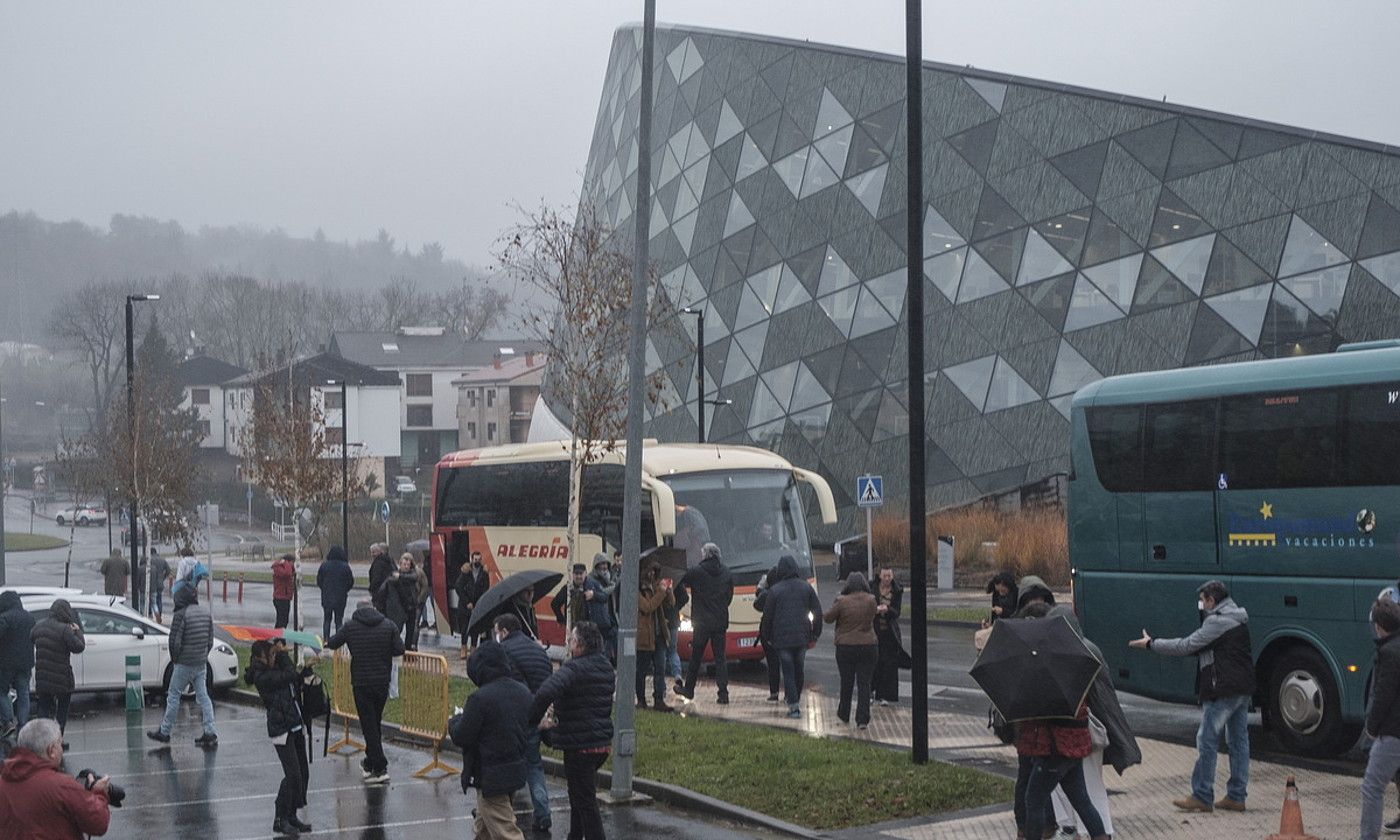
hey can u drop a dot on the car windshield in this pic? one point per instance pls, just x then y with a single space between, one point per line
754 516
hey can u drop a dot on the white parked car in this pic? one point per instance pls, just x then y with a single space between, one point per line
403 485
83 515
113 631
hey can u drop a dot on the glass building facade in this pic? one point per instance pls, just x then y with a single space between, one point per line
1069 235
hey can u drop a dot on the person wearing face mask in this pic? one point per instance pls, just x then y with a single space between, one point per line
530 665
472 583
1225 684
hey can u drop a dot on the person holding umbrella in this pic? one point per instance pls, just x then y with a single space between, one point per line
514 595
271 672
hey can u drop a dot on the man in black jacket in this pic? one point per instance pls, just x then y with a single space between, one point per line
374 641
380 568
794 615
16 661
491 732
710 588
529 664
472 583
581 692
1382 716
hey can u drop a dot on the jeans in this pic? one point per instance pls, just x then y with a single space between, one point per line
1232 715
369 705
336 613
775 669
296 769
581 771
1024 763
534 777
651 662
1068 773
55 707
19 681
284 612
157 599
673 658
182 677
1381 767
792 660
698 640
1065 814
855 663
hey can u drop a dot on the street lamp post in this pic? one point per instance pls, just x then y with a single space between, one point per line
344 465
699 364
138 588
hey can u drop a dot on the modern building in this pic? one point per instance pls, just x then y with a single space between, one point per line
494 404
202 379
426 361
1069 234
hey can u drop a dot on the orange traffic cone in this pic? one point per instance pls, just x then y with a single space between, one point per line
1290 824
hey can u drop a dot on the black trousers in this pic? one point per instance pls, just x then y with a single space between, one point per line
886 677
651 662
296 772
1024 764
698 640
54 707
581 771
369 705
855 664
410 631
775 669
284 611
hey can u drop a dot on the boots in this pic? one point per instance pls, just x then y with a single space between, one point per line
464 652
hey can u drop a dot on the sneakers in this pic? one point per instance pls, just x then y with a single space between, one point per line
679 686
1227 804
660 706
862 726
280 826
206 740
772 698
1393 827
378 778
1193 805
884 702
297 824
794 712
157 735
365 772
723 700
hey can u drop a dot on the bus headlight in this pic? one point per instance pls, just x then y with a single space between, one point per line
686 626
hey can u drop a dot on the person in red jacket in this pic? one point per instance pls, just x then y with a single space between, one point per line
283 586
37 799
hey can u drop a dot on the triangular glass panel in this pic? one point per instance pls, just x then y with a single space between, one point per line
1062 404
791 292
835 273
1106 240
1072 372
1117 279
752 342
695 175
1188 260
1381 232
972 378
1243 309
975 144
1192 153
1003 253
678 142
686 200
939 236
659 222
1321 291
865 153
1158 288
808 266
993 92
739 216
890 289
780 381
1213 338
736 367
807 392
1306 250
697 148
818 177
1008 389
945 271
751 310
994 215
840 307
670 167
1288 325
869 187
813 422
1151 145
1051 298
830 115
1066 232
870 315
672 283
684 229
765 407
884 125
1175 221
729 125
790 170
1385 268
1040 260
751 160
979 280
835 147
1089 306
1230 269
1083 167
893 420
765 284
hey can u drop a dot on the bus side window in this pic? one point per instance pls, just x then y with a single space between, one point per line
1279 440
1371 454
1115 438
1180 447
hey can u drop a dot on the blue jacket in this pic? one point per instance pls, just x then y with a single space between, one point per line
528 661
582 694
791 608
16 624
598 610
492 730
335 579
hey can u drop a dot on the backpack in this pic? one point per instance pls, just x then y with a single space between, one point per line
1005 732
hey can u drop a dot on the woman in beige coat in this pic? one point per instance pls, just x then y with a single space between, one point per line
853 613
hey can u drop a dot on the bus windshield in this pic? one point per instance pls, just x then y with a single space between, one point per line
754 516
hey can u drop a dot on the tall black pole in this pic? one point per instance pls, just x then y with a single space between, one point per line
918 547
625 715
133 531
344 469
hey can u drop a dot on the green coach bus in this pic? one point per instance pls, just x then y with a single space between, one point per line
1279 477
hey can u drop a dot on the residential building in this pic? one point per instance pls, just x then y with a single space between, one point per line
494 404
202 380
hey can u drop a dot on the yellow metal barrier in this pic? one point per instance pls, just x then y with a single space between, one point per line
423 705
343 701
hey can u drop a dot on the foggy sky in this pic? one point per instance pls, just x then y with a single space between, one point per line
431 118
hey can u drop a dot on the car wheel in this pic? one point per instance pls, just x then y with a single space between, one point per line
1304 708
84 522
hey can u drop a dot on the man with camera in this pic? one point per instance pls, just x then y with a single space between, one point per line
37 799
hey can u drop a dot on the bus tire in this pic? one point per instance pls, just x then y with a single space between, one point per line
1302 706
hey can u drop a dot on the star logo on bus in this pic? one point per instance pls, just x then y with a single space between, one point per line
1266 510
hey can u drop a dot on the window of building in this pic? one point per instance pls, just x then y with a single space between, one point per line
490 397
490 432
334 436
420 415
199 396
471 397
419 384
471 430
204 428
389 346
332 401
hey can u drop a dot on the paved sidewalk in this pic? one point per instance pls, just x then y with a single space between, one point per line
1141 799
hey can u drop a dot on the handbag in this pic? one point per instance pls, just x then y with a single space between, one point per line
1098 733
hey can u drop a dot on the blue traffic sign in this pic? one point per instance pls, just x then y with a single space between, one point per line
870 491
384 511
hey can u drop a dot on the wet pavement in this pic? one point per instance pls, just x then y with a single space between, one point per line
228 791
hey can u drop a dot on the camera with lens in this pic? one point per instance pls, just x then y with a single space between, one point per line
115 793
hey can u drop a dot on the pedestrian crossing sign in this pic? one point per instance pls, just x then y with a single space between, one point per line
870 491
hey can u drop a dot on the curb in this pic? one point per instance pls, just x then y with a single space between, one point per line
673 795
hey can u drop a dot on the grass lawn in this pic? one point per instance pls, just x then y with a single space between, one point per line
839 783
31 542
968 614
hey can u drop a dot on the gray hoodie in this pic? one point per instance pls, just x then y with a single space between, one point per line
1225 663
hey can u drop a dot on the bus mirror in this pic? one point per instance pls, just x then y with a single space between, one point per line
664 507
825 501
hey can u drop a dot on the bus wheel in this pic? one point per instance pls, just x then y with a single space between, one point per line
1303 707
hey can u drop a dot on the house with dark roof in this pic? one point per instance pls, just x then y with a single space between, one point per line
202 380
426 360
495 403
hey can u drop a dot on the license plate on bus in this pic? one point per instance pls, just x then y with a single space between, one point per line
748 641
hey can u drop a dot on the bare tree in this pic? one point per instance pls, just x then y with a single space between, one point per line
89 323
579 265
470 308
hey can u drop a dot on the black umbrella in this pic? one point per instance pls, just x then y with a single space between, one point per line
672 561
497 596
1035 668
